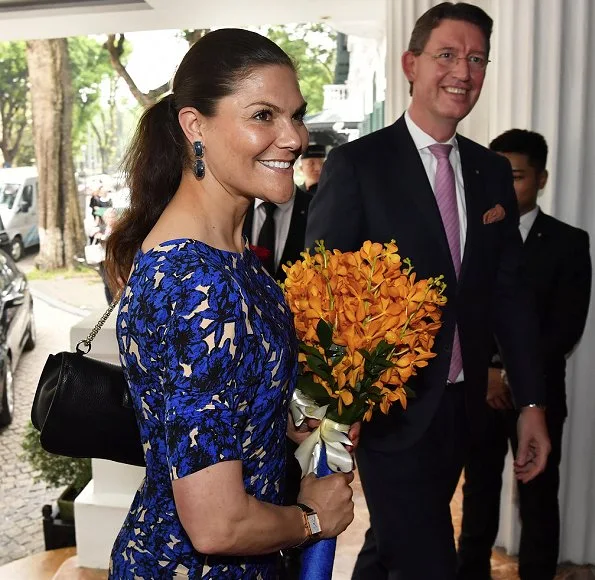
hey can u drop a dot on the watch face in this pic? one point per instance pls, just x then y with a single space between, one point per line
314 524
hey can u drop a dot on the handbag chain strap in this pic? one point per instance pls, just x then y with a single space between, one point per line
86 342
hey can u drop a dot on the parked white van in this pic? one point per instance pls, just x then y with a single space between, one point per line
18 208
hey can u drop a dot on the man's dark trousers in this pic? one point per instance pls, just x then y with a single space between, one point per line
417 484
538 502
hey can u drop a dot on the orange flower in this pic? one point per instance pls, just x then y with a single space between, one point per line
369 298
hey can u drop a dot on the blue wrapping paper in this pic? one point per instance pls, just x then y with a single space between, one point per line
318 559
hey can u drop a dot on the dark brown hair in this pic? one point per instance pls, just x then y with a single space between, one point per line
524 142
159 151
432 18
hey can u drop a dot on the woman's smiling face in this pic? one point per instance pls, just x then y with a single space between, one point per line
257 133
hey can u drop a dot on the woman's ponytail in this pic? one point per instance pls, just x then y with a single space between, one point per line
153 168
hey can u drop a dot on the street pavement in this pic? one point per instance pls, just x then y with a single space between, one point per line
58 304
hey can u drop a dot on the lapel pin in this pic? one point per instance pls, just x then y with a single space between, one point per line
477 172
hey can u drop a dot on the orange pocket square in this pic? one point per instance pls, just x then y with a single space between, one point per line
495 214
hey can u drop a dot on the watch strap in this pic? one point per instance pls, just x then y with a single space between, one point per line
306 508
307 513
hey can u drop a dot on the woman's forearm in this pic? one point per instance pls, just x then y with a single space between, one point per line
259 528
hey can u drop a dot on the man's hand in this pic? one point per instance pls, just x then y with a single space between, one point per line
354 432
498 396
534 444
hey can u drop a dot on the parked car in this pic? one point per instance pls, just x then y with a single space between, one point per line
18 208
17 329
4 238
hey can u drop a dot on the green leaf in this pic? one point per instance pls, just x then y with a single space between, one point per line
376 397
319 367
383 363
313 390
325 334
367 356
382 349
335 348
349 414
409 392
336 354
336 359
311 350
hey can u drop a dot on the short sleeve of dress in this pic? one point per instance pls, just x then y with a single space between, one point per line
202 425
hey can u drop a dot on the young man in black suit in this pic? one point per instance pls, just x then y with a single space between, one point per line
558 269
449 204
278 231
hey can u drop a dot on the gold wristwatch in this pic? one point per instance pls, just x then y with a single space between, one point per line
311 522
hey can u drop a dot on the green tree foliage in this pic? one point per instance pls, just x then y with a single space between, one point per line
14 98
313 49
193 34
91 69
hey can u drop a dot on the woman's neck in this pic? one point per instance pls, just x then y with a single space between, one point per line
209 214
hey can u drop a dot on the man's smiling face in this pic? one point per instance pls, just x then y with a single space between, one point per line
446 94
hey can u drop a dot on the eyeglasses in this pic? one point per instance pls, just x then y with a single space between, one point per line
449 60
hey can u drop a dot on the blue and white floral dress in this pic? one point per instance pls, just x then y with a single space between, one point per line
209 350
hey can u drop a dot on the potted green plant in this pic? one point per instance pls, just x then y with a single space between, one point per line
57 471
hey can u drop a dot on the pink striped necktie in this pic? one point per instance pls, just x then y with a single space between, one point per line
446 196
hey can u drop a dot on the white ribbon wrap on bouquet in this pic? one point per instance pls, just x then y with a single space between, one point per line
329 432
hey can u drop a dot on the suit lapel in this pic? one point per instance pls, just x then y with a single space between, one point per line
473 184
297 229
412 178
533 246
536 233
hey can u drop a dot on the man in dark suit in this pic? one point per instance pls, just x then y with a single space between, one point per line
558 269
278 231
449 204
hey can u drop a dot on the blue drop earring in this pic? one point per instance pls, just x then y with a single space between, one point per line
199 164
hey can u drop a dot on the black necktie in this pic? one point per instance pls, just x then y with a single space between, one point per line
266 237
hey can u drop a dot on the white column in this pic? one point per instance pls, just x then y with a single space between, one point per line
542 77
101 507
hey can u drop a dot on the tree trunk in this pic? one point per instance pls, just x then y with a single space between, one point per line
115 48
7 156
61 233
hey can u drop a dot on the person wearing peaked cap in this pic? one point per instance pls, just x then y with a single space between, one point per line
312 161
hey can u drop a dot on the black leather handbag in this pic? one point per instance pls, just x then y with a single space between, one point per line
82 406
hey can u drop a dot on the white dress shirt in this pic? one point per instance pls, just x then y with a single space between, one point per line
282 221
422 142
526 222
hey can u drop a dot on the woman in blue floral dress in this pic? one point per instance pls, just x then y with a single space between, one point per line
206 340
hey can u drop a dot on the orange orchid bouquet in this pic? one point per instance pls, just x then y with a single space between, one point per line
365 325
